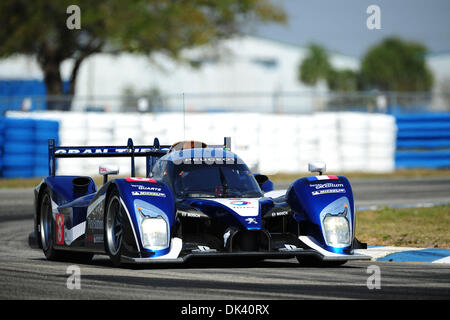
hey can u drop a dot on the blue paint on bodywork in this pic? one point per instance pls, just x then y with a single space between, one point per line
308 198
63 190
135 190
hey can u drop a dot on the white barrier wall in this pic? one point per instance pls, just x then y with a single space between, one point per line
268 143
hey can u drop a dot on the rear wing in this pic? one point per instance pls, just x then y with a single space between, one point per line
151 152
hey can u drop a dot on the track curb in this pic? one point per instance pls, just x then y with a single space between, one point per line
407 254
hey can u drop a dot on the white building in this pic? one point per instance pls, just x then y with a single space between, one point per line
440 66
240 73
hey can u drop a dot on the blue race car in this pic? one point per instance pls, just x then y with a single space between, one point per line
196 200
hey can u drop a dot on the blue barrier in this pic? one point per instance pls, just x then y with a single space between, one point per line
25 147
13 93
2 127
423 141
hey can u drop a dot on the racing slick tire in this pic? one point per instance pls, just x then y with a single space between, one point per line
47 227
313 261
114 227
47 232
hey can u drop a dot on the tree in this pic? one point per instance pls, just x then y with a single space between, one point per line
396 65
39 28
315 66
342 80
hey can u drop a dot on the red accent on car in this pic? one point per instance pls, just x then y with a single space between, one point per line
59 228
140 180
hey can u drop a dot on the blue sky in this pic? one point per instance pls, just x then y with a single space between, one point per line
340 25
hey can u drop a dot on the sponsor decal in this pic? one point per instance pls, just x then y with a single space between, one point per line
208 160
189 214
148 193
244 207
239 202
59 228
100 150
315 193
280 213
140 180
326 185
251 220
144 187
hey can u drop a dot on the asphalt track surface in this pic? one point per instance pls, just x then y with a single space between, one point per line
25 274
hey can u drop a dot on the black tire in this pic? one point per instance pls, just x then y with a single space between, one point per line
47 228
47 234
313 261
114 227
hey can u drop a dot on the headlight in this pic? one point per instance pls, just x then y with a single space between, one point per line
154 233
337 231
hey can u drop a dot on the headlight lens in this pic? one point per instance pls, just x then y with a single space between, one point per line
154 233
337 231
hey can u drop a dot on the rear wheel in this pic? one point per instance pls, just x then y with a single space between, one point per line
114 228
47 231
47 228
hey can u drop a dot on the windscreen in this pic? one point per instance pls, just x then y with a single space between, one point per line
215 181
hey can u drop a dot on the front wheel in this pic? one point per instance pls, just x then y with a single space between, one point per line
114 228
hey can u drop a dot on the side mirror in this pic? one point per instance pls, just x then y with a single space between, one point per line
107 169
317 166
264 183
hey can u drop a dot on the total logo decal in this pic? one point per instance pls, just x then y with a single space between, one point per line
239 203
243 207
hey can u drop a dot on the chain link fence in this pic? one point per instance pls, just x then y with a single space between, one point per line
265 102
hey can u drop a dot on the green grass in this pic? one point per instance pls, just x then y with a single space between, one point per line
416 227
19 183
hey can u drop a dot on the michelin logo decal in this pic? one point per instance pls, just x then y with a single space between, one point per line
148 193
315 193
